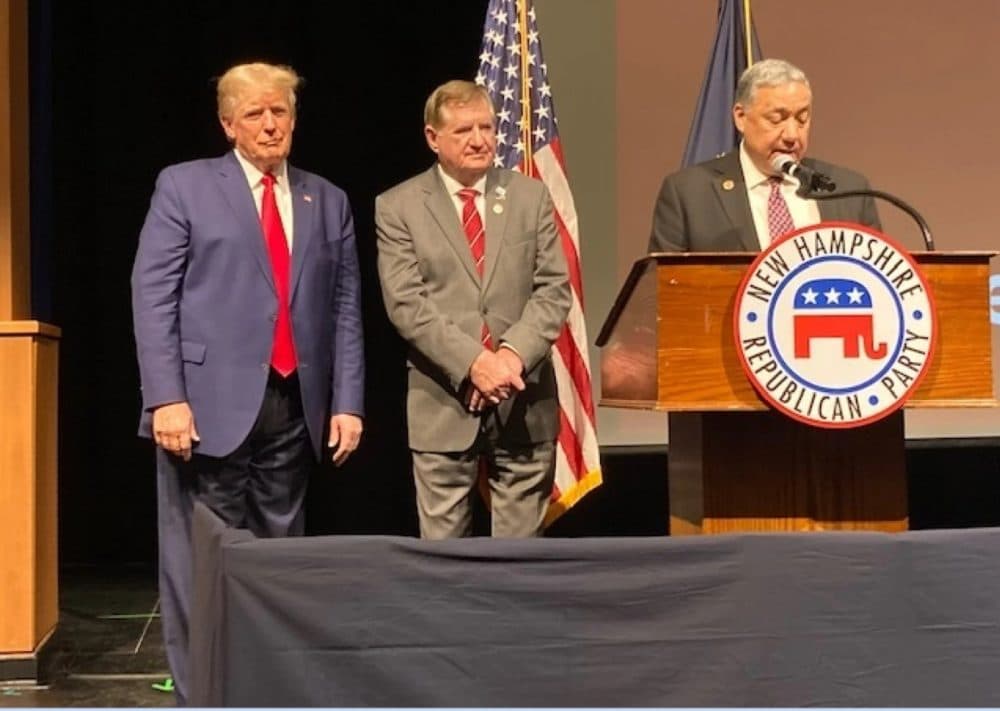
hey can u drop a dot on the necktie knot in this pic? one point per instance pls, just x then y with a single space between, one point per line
468 195
268 180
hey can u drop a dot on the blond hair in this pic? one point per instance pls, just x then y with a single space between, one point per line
257 75
456 91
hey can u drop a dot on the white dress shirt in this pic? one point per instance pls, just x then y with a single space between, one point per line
453 187
282 192
804 212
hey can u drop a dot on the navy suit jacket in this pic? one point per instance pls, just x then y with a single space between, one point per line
204 303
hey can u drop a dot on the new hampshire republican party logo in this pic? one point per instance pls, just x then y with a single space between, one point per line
835 325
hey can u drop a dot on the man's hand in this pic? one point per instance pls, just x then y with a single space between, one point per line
513 363
345 434
174 430
494 376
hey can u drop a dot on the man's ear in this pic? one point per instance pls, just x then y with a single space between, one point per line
431 135
227 126
739 117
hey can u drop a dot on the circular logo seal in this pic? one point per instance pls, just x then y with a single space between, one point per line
835 325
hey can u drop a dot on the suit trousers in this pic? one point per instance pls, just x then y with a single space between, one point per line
520 479
261 486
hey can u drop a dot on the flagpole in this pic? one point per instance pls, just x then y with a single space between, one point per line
747 31
522 25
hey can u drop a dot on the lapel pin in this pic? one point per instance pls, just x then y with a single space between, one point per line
728 184
307 198
497 208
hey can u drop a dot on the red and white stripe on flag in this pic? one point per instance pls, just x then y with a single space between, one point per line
514 72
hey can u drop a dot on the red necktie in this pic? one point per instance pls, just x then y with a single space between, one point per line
779 218
472 223
283 356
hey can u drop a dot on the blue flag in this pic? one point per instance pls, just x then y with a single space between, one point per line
712 131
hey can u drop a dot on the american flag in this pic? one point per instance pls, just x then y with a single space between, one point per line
513 71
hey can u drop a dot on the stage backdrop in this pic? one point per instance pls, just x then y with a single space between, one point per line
902 93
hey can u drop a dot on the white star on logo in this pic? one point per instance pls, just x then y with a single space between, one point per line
855 295
832 296
810 296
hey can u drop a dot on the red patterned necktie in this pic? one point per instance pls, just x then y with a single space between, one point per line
283 356
779 219
475 233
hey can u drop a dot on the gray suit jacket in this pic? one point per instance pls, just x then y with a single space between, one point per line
438 303
696 213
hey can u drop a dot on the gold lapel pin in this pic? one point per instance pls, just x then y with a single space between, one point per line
497 208
728 184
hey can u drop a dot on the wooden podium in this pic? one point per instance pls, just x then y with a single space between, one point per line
736 465
29 601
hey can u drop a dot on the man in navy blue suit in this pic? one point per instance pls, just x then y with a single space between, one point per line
246 305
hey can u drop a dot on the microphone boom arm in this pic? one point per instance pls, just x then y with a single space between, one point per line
925 230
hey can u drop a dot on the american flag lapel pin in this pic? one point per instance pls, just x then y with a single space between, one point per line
307 197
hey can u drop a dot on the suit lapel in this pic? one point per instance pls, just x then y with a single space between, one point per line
497 208
442 210
303 219
731 190
234 185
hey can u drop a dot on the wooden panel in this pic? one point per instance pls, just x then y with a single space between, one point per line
759 471
17 496
697 360
46 487
28 487
15 260
961 374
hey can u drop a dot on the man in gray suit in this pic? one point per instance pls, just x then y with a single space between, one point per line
738 201
475 281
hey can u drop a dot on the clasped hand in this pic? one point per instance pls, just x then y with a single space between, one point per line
495 376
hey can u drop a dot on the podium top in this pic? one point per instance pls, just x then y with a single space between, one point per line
29 328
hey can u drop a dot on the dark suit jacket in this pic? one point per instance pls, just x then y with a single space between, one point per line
204 302
437 301
695 212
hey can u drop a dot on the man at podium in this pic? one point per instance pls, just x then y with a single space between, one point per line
743 200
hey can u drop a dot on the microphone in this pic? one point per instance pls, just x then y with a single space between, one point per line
809 180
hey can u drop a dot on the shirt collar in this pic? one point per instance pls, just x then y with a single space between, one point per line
453 186
752 174
254 176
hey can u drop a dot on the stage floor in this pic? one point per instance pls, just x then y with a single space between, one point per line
108 650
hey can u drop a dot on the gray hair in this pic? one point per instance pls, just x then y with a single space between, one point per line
767 72
456 91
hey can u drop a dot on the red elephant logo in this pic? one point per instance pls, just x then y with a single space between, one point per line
839 309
